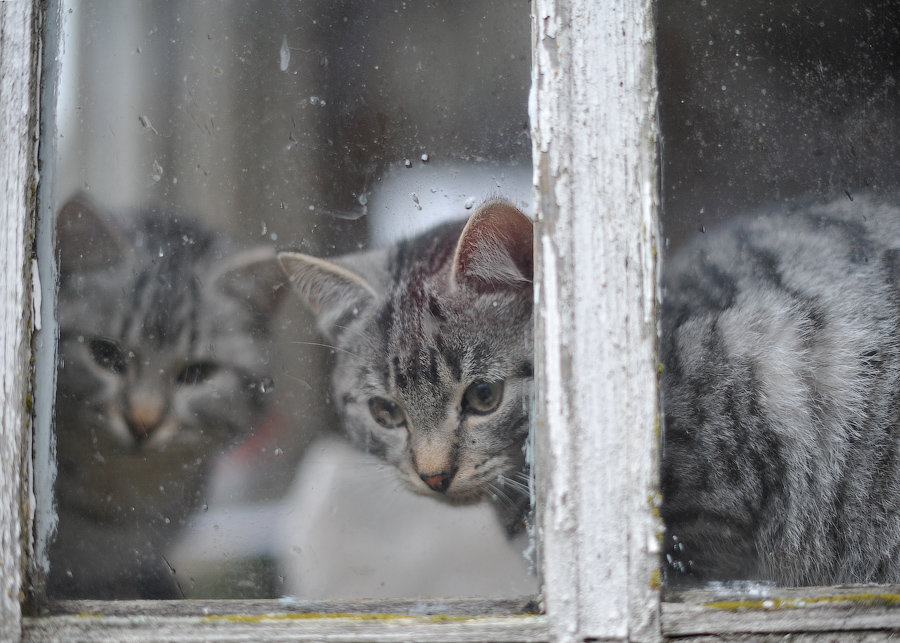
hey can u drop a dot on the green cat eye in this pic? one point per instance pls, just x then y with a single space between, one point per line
387 413
483 397
108 354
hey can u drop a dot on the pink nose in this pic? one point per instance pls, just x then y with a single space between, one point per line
143 419
438 482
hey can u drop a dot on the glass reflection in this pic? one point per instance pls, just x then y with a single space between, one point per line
194 422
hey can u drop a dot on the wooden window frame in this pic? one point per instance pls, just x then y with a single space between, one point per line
594 131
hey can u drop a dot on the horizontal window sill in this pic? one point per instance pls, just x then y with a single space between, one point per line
861 608
419 620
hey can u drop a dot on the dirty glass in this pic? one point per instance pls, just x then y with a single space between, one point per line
787 113
195 439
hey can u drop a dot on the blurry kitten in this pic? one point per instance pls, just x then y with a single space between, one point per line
781 392
433 340
162 367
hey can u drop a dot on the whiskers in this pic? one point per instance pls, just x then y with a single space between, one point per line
308 386
325 345
499 494
508 489
519 480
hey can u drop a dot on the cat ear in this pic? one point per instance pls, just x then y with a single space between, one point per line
495 250
331 291
86 239
253 276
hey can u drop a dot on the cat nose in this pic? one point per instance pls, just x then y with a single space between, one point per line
438 481
143 419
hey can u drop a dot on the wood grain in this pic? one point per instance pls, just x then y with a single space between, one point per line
593 118
18 118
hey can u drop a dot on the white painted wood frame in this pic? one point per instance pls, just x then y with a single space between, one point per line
18 172
593 112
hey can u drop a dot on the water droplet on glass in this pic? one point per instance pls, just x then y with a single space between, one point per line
278 452
146 124
205 507
157 171
285 53
415 198
424 158
363 199
407 163
266 385
470 203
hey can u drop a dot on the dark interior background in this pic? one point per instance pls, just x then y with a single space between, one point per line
763 102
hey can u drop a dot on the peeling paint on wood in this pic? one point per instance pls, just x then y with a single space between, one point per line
593 113
18 118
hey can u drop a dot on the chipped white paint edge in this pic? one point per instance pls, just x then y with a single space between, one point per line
45 337
593 114
18 118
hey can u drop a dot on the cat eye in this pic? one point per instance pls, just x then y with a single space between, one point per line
109 355
483 397
196 372
387 413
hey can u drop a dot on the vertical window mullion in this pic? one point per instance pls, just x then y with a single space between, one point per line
18 110
594 129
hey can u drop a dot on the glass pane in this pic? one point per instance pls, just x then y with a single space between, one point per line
197 428
780 281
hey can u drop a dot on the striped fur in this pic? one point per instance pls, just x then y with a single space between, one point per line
162 366
781 348
424 327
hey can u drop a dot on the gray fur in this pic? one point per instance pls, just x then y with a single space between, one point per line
781 454
418 324
781 352
162 366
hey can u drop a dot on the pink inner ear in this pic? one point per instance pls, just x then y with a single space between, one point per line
496 248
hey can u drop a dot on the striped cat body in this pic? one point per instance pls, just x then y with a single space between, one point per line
781 392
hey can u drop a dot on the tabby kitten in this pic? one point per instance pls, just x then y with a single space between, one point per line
781 391
433 340
162 366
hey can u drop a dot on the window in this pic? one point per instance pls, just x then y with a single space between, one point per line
313 128
596 358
